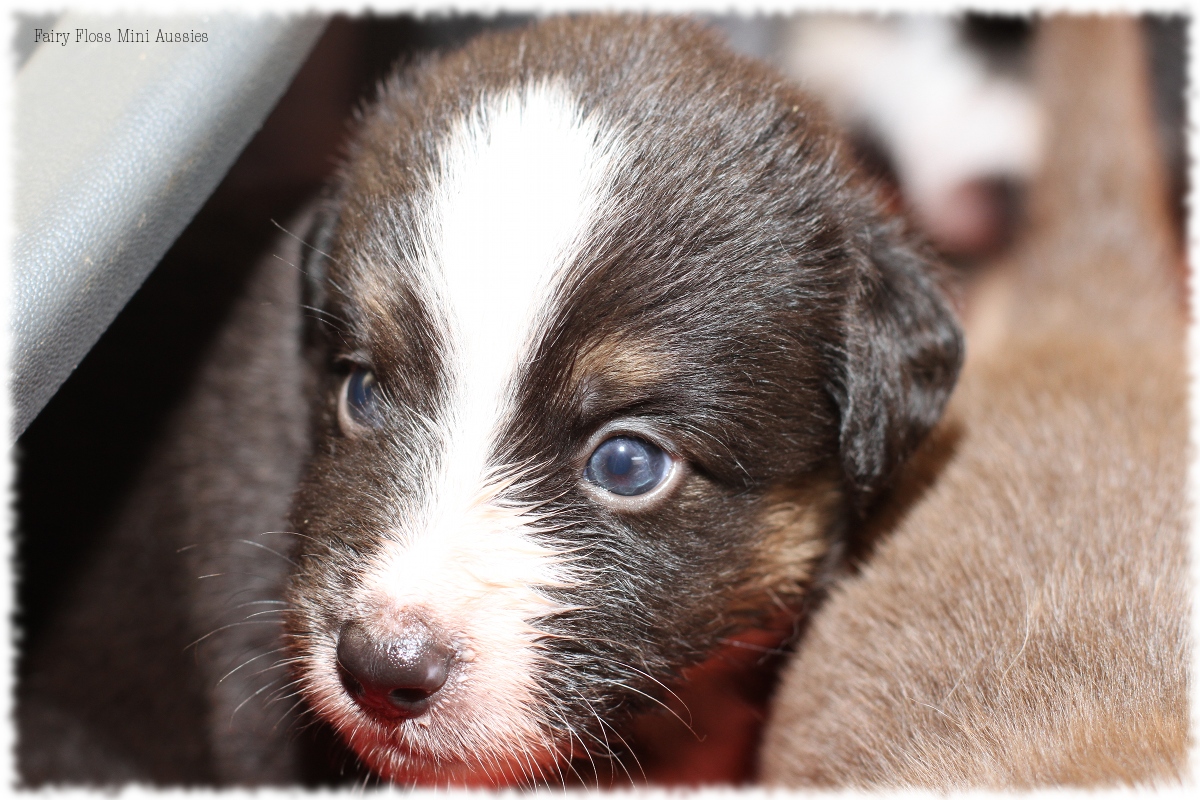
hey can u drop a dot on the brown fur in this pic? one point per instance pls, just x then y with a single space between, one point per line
789 335
786 334
129 682
619 361
1024 623
791 541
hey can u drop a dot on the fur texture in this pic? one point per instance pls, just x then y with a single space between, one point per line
684 256
708 274
1023 620
163 666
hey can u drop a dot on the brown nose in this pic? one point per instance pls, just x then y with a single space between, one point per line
393 676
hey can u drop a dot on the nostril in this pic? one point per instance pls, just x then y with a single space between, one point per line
402 696
395 674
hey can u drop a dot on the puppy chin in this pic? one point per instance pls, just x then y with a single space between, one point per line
458 742
403 759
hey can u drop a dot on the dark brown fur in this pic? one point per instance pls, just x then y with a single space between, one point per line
1025 621
799 346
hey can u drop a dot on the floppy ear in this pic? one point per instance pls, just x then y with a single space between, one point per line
901 357
313 239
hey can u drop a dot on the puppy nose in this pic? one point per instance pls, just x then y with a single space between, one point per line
395 675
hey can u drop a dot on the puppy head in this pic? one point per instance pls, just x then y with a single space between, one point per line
614 338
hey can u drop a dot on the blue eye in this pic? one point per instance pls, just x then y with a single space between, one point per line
359 397
627 466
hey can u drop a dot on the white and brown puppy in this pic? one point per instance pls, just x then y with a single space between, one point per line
614 343
1025 622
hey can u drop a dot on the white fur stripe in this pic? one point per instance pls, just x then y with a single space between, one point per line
520 185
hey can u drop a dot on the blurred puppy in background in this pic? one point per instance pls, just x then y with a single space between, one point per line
1022 620
941 105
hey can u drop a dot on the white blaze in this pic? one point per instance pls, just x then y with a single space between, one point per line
520 188
520 185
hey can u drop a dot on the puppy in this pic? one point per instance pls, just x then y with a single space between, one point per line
960 134
1024 623
599 346
617 344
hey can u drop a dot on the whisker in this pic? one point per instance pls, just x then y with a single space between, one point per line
231 625
260 603
262 546
248 699
757 648
249 661
306 244
288 533
235 573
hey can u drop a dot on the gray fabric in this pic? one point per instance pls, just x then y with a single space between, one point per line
118 146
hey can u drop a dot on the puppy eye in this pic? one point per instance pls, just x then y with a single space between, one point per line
627 466
358 405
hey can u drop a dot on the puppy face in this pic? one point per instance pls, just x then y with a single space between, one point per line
613 341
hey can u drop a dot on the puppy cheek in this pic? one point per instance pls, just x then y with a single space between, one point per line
792 538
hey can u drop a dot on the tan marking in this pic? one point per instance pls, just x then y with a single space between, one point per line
791 541
617 360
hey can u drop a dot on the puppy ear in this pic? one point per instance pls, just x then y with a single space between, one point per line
901 357
313 238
